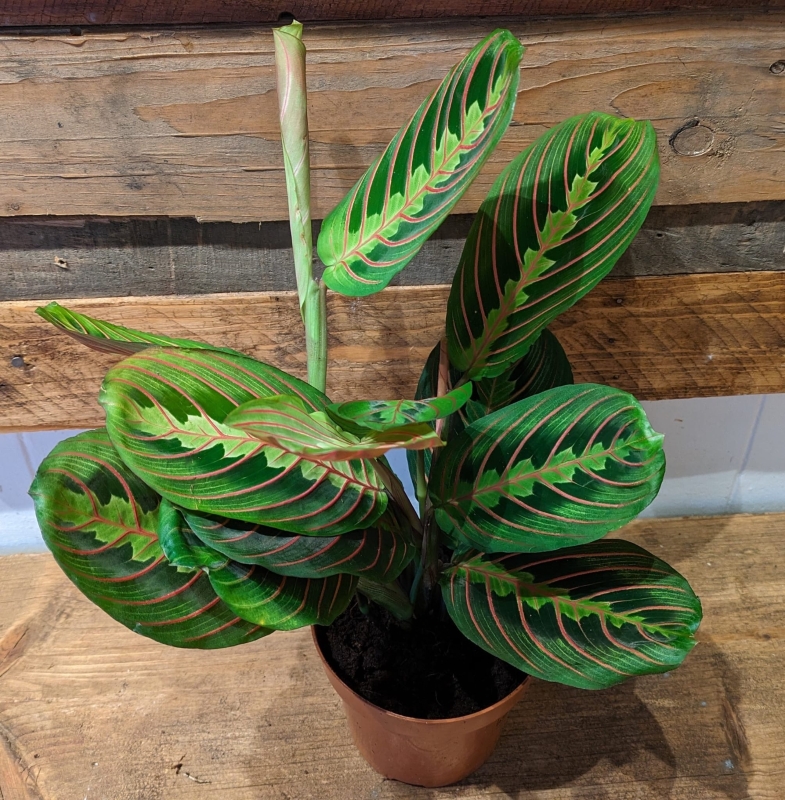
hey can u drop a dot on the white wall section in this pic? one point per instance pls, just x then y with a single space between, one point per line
724 455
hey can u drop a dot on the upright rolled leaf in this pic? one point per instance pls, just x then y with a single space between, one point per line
561 468
378 553
281 602
406 193
553 225
588 616
100 522
286 423
109 338
165 412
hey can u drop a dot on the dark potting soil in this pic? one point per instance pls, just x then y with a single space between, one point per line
423 668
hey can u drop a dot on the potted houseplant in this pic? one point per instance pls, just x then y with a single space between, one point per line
226 499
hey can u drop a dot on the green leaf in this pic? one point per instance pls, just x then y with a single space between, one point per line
588 616
100 522
165 411
553 225
389 596
383 415
561 468
406 193
108 338
180 544
378 553
281 602
545 366
284 422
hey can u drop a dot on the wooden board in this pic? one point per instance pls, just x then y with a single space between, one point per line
57 258
99 12
183 122
677 336
89 709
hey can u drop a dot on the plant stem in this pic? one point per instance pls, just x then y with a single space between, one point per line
395 488
292 105
421 489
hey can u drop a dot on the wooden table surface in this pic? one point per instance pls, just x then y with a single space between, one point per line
89 711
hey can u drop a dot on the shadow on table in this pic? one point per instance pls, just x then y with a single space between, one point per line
674 735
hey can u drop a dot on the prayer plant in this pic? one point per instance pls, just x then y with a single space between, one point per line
226 499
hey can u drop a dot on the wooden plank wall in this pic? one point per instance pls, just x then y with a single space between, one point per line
141 165
134 12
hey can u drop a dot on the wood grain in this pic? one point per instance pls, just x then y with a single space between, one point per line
659 337
99 12
95 711
56 258
183 122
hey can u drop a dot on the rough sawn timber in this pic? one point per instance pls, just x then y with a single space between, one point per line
658 337
56 258
89 709
184 121
100 12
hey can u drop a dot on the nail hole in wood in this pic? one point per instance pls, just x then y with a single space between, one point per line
17 361
778 67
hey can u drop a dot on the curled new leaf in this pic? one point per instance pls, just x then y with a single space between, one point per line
285 422
588 616
165 411
561 468
406 193
555 222
100 522
378 553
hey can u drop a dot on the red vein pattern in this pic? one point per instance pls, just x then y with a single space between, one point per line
406 193
282 602
379 553
100 522
553 225
561 468
285 423
589 616
165 410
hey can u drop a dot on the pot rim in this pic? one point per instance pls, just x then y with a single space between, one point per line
512 696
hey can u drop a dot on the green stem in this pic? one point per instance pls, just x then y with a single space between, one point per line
292 104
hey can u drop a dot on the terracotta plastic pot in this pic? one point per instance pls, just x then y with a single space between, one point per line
423 752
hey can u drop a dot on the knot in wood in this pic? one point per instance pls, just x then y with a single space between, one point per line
692 139
778 67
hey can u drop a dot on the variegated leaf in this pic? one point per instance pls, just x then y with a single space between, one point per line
100 522
561 468
554 223
378 553
406 193
382 415
165 411
181 546
281 602
545 366
284 422
108 338
588 616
